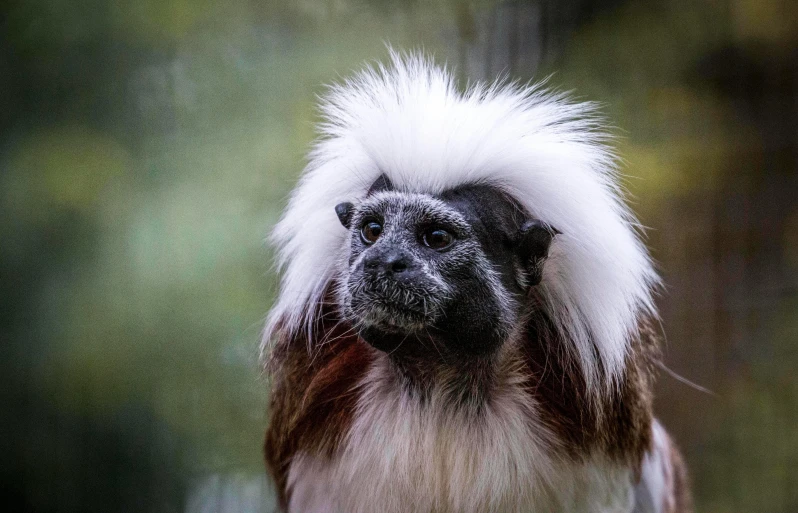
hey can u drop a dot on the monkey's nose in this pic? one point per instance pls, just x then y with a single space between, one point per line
397 263
389 263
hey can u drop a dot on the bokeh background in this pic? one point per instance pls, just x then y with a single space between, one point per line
147 146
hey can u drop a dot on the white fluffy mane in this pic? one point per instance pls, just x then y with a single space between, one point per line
409 121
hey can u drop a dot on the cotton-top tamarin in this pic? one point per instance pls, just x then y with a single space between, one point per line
464 322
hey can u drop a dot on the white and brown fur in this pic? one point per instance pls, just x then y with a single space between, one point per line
564 422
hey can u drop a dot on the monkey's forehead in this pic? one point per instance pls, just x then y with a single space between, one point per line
418 206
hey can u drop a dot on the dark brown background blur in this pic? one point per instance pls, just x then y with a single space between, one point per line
147 146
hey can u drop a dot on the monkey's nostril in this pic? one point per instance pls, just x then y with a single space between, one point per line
399 266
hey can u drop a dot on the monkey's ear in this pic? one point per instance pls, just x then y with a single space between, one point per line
381 184
534 240
344 212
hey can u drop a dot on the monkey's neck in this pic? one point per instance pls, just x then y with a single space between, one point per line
424 371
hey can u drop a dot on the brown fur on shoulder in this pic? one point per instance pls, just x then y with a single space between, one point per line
314 393
618 425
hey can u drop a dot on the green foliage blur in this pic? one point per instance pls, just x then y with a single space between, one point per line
147 147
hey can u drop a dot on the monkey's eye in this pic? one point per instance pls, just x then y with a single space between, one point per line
371 232
437 239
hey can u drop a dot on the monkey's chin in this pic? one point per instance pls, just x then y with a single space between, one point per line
394 321
387 328
384 340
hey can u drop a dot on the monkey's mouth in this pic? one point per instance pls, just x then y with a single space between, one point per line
389 314
391 309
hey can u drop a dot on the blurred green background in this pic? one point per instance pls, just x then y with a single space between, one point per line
146 148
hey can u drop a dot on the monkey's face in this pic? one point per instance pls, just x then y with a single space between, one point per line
409 255
449 271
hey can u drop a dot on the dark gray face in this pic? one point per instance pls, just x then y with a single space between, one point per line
449 272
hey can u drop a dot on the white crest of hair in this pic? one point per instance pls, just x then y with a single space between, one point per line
409 121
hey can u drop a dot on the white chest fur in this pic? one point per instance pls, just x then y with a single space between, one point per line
403 455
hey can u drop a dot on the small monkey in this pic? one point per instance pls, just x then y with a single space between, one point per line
464 318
